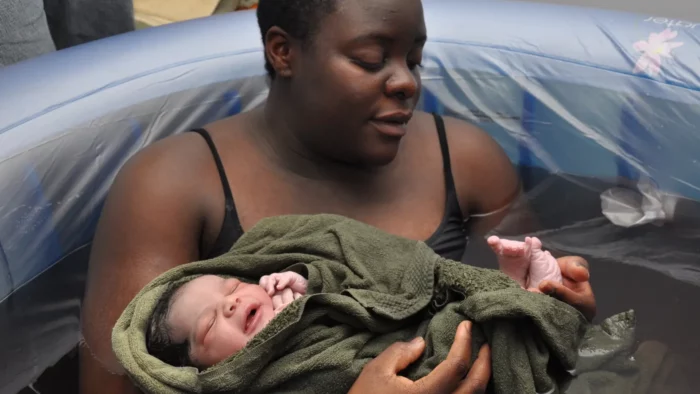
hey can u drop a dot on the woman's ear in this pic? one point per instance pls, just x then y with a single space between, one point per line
278 50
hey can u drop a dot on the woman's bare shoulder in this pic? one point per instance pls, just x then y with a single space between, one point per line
484 175
467 142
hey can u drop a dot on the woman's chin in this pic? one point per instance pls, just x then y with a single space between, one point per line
382 155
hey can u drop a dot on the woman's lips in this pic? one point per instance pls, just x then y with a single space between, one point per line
390 129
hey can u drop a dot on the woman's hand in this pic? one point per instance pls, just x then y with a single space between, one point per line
380 374
575 290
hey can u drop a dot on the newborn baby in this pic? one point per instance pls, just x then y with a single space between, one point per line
210 318
526 262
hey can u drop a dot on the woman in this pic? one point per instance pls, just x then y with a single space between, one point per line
338 134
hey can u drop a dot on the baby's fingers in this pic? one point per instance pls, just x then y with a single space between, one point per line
270 286
282 299
282 281
277 302
265 283
298 284
287 296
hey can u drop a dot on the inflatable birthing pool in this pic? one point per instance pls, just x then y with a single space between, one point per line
599 110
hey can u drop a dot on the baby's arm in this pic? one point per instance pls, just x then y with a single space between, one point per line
283 287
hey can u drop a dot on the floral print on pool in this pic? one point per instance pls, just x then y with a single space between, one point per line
657 47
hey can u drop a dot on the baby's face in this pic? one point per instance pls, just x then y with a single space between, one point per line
218 316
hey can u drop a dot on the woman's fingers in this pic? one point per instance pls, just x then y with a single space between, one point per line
448 375
576 289
397 357
381 374
562 293
478 378
574 268
580 297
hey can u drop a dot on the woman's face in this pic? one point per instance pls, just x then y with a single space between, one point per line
359 81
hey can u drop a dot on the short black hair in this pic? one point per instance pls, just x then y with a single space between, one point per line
158 340
299 18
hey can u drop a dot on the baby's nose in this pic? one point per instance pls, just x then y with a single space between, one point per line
231 305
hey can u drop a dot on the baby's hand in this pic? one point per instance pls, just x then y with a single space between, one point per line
284 280
283 287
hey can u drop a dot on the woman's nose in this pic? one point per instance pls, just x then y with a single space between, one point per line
403 84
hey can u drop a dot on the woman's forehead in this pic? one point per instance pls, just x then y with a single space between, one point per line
394 18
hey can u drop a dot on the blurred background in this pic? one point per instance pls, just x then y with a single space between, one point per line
29 28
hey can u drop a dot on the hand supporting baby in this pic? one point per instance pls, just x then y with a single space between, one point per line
283 287
526 262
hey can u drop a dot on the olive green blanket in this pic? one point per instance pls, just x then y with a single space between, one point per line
366 290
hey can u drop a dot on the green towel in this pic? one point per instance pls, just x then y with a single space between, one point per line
367 289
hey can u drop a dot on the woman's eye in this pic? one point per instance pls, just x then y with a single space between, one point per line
370 66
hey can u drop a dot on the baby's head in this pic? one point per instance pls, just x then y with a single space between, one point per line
206 320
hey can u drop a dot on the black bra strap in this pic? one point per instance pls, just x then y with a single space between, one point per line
446 163
220 167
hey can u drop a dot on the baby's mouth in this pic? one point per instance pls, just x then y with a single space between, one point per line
251 321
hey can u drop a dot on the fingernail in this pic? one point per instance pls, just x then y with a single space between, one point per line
417 341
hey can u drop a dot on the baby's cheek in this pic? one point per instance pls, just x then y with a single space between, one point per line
227 343
230 346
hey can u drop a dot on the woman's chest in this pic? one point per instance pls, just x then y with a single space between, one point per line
410 208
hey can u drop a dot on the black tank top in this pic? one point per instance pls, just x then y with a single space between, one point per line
449 240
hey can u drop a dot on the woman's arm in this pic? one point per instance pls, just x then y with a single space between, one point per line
150 223
487 184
